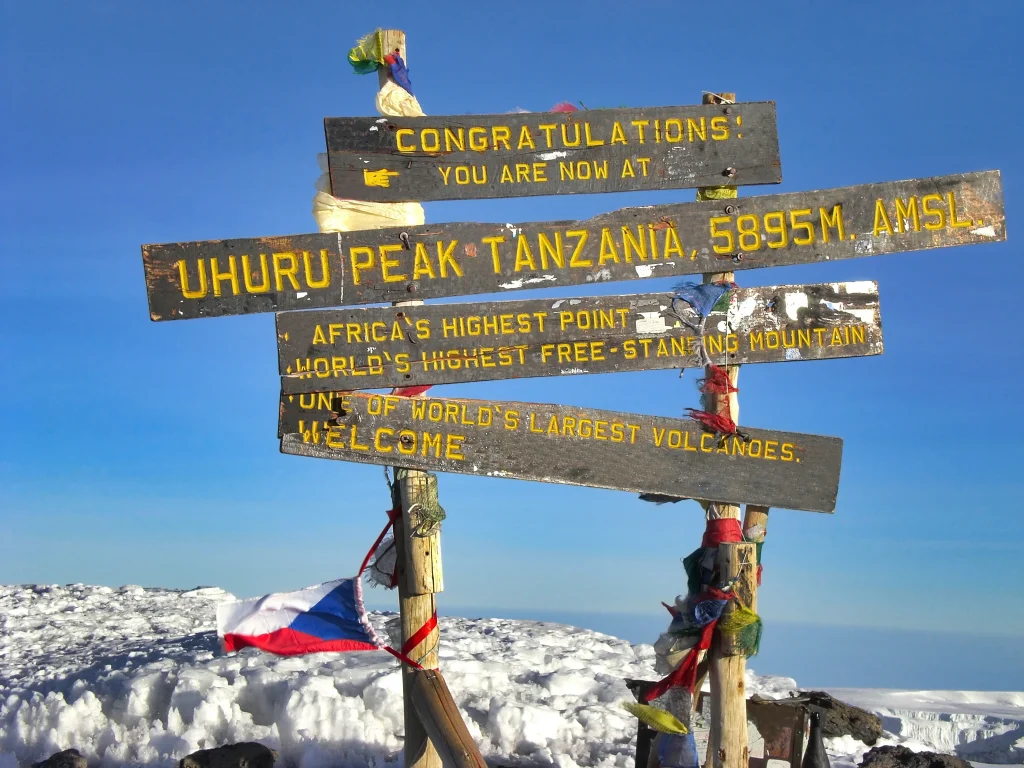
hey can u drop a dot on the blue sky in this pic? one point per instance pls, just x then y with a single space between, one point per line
136 452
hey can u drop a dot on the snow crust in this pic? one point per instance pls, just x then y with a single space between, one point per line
980 726
135 676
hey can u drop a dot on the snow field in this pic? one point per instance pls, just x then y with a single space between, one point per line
980 726
135 676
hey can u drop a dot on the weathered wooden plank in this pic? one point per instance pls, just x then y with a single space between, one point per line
241 277
231 277
437 344
565 444
550 153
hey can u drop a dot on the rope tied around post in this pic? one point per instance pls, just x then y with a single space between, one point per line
702 299
755 535
402 655
709 607
368 55
429 513
703 612
746 626
725 530
717 382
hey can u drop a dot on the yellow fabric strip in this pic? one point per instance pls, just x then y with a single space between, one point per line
658 719
715 193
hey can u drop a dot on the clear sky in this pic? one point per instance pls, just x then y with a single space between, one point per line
140 452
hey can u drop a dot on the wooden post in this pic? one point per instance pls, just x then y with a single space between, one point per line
727 740
419 557
737 561
416 610
728 745
391 40
754 516
441 717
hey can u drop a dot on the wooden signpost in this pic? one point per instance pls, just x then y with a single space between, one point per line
407 346
235 277
726 671
391 159
564 444
327 353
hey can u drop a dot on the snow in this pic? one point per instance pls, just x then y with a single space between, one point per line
980 726
135 676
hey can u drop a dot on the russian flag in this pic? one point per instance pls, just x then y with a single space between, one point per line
327 617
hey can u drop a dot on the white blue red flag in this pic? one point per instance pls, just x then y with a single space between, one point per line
327 617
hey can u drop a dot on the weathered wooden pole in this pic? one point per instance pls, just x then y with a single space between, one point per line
755 527
419 575
727 740
419 555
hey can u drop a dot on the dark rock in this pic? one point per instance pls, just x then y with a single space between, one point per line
841 719
247 754
901 757
69 758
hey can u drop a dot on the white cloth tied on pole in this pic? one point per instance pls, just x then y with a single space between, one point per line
335 214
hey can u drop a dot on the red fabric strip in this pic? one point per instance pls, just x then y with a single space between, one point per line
419 389
720 423
713 593
288 642
725 530
401 656
685 675
392 516
716 381
420 635
689 680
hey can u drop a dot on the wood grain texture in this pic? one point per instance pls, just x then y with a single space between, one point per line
414 612
737 561
378 347
754 516
726 675
423 572
440 716
565 444
416 605
231 277
549 153
728 743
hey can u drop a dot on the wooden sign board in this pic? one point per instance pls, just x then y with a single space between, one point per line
233 277
389 159
564 444
379 347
